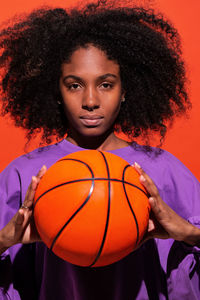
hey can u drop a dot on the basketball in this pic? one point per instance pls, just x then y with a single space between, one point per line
90 208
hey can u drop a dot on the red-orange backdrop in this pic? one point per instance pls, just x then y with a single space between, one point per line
183 140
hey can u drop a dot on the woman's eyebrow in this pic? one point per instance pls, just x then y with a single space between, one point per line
107 75
104 76
72 76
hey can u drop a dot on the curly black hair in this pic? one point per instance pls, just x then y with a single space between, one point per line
145 45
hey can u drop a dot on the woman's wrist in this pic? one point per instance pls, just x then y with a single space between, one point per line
3 247
193 237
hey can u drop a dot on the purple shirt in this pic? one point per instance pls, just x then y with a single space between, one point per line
159 269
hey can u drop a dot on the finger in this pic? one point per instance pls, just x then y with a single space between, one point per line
147 181
157 208
41 172
28 202
19 218
157 204
149 185
138 168
39 176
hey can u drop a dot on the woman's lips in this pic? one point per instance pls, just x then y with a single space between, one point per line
91 121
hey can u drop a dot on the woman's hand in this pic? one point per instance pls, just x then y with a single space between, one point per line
21 228
164 222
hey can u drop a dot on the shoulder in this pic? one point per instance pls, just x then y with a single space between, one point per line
176 184
154 161
168 169
37 158
17 175
157 161
27 165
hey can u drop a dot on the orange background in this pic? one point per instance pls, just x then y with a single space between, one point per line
183 139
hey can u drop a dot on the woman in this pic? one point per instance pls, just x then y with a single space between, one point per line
88 73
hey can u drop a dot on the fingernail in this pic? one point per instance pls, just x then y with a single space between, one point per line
142 178
34 182
152 201
137 165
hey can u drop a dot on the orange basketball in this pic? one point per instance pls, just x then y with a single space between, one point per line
90 208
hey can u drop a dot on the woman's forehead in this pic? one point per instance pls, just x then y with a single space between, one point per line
90 59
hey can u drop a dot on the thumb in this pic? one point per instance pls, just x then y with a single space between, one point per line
156 208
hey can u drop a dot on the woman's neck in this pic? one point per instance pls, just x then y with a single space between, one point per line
106 143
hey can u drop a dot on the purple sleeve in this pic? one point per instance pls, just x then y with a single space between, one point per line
184 269
183 262
10 194
181 191
183 272
10 201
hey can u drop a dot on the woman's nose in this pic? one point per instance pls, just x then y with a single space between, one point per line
90 99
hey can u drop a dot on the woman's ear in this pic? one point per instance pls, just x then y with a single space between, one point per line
123 96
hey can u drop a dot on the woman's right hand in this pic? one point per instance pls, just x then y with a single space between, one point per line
21 228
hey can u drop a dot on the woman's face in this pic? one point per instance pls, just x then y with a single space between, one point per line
91 89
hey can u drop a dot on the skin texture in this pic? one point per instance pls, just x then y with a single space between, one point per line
92 98
90 94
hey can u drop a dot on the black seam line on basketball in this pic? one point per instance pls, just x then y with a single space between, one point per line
74 214
134 216
82 205
61 184
108 213
88 179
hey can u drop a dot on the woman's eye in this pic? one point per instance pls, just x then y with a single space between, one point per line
73 86
106 85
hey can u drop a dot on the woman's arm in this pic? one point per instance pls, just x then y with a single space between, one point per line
21 228
165 222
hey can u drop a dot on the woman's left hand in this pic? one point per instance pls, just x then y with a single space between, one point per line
164 222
